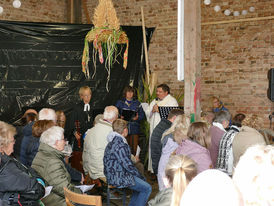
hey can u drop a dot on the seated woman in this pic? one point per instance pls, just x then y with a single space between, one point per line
19 185
179 172
217 105
171 140
26 157
129 103
196 146
49 163
119 168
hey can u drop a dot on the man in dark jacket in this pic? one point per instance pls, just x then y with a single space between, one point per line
156 136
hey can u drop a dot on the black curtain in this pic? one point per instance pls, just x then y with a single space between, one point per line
40 66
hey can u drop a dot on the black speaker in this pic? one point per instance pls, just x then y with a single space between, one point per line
270 91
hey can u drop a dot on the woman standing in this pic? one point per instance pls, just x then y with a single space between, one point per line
128 105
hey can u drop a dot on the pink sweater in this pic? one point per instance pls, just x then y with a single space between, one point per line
197 153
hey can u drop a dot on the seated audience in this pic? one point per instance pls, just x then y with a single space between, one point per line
49 163
196 145
179 172
211 188
25 157
254 176
37 129
156 136
130 103
60 119
95 143
217 130
18 184
119 168
247 137
47 114
171 140
208 117
19 132
30 144
218 105
225 155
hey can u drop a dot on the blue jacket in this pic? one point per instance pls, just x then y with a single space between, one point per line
29 146
134 126
118 167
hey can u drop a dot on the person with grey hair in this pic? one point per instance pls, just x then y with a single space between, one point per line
95 143
19 185
49 163
47 114
217 130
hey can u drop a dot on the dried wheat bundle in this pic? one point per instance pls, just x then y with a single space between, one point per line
105 35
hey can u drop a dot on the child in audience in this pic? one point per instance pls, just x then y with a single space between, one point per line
179 172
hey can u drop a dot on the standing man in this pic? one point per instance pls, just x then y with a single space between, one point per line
81 119
164 99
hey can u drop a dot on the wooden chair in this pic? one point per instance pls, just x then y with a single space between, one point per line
72 198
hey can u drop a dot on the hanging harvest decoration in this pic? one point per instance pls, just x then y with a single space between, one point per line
105 35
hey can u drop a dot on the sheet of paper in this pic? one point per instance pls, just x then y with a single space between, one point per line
85 188
138 151
47 191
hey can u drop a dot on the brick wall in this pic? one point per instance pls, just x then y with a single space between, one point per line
35 11
235 56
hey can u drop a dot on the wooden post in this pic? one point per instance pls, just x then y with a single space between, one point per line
74 11
145 45
192 68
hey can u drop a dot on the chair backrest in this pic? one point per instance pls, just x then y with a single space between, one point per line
72 197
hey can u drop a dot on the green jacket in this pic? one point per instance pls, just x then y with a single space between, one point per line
163 198
48 162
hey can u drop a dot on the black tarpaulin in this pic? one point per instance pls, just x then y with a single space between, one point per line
40 66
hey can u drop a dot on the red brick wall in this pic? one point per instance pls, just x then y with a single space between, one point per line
35 11
235 56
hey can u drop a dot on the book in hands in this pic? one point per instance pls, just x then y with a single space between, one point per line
128 114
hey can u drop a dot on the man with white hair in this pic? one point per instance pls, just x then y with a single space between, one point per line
47 114
95 143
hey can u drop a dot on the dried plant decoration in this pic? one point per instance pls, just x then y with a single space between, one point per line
105 35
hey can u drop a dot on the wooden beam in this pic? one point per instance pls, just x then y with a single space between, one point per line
192 68
238 20
145 45
84 3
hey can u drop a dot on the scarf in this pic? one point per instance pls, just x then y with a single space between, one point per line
225 155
